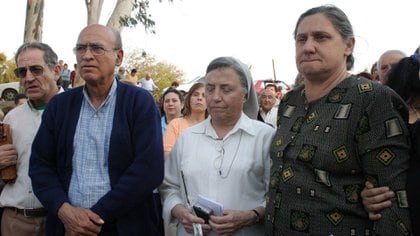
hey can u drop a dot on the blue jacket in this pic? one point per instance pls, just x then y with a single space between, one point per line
135 160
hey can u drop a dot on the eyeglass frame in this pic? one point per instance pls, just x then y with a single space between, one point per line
91 47
15 71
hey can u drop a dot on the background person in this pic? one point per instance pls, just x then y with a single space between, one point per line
20 99
374 72
333 132
172 103
175 85
38 71
65 76
73 75
148 84
268 111
277 91
131 78
120 74
386 61
98 154
195 111
224 158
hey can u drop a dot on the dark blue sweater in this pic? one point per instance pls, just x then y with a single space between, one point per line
135 160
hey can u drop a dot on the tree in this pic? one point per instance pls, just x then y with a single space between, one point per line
7 66
163 74
123 9
120 17
139 9
94 8
122 14
34 21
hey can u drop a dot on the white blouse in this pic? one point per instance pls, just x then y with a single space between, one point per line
233 171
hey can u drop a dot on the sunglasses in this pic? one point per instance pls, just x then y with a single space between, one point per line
35 70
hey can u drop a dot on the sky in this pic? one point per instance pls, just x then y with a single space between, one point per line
190 33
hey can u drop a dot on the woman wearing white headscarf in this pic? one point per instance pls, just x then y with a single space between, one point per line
224 158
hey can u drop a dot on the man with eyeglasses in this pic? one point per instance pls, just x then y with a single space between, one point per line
38 71
98 154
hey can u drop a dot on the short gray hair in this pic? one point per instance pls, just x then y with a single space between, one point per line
50 57
397 52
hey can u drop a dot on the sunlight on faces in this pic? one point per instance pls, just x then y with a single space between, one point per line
93 66
198 101
172 105
39 88
320 49
224 95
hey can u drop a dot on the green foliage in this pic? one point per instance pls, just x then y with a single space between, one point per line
7 66
140 15
163 73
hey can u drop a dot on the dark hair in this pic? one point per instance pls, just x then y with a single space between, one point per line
338 19
187 104
374 68
19 96
272 85
133 70
366 75
175 83
162 98
404 78
50 57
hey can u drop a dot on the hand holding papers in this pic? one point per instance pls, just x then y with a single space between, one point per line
214 207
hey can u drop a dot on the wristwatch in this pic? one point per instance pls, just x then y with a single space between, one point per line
257 216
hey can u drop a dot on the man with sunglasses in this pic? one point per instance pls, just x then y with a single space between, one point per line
98 154
38 72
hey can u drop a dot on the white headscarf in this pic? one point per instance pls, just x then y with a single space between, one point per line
250 107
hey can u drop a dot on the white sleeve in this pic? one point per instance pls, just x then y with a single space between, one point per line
170 189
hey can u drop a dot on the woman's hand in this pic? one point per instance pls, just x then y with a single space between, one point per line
231 221
186 218
376 199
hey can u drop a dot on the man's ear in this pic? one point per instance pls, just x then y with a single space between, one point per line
119 58
57 72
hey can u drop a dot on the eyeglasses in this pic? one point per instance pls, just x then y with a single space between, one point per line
95 49
36 70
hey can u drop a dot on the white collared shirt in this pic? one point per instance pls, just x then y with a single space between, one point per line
239 182
24 122
270 117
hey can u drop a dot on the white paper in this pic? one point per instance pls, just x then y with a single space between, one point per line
198 231
215 206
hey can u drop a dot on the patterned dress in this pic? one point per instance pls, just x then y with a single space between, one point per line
325 150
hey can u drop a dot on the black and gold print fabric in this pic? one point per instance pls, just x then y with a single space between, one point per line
325 150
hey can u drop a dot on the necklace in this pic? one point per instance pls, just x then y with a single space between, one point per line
218 162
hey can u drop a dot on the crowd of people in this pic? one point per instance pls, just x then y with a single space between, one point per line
338 154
